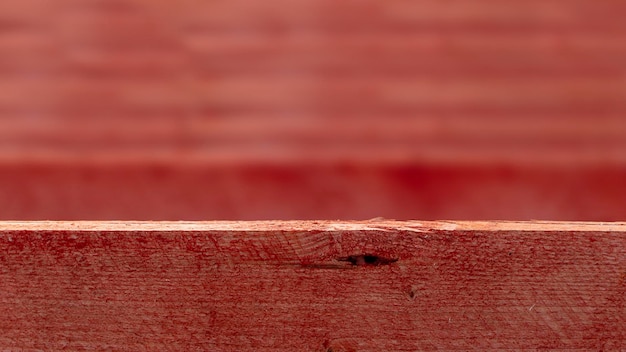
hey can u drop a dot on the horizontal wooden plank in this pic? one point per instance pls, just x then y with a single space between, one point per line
323 286
136 189
376 224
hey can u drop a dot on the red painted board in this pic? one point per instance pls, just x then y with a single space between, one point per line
309 109
179 190
312 286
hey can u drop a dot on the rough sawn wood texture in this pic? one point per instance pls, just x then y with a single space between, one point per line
312 286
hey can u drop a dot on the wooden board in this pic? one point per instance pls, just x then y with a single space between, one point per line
292 109
312 286
357 190
491 80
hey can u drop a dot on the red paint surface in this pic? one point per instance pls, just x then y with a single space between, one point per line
295 191
253 109
280 287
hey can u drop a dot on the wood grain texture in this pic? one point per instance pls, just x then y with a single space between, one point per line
313 286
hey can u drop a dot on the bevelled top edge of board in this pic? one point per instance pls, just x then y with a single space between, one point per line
311 225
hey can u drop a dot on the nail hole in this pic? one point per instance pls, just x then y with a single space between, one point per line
367 260
412 293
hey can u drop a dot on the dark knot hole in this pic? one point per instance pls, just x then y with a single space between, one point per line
367 260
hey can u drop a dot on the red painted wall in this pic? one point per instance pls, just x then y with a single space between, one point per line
281 109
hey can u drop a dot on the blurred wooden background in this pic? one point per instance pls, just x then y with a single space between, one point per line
296 109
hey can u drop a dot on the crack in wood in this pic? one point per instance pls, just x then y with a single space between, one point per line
367 260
